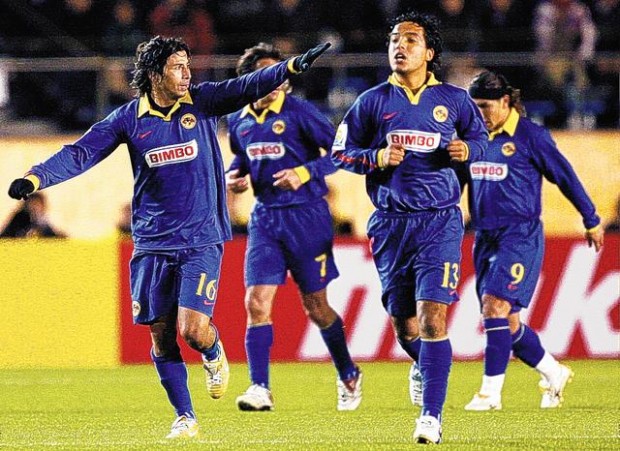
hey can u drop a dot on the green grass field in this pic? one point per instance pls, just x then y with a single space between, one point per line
126 408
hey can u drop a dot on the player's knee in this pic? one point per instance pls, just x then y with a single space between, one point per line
322 318
258 312
258 307
164 338
432 319
194 334
317 309
405 328
432 330
493 307
432 326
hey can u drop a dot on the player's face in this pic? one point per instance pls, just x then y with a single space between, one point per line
407 49
494 112
273 95
174 82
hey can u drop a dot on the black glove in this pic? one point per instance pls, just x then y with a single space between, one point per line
303 62
21 189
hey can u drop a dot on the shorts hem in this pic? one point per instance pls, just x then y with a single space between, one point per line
513 302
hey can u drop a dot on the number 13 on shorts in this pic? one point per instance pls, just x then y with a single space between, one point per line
451 275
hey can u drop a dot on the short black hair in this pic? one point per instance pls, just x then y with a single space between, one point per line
247 62
432 34
151 57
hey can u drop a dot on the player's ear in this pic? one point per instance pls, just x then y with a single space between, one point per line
505 100
430 54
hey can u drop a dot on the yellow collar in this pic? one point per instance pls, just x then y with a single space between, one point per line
275 106
144 106
510 126
415 98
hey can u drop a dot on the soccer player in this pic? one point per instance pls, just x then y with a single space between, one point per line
505 205
277 141
401 135
179 220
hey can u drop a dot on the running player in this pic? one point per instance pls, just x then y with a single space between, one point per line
401 135
277 141
505 206
179 220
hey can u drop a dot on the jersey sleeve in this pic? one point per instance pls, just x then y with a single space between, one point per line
471 129
558 170
320 132
349 151
74 159
239 161
230 95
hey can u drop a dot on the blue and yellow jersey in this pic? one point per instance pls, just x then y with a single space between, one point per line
505 186
288 134
179 190
424 124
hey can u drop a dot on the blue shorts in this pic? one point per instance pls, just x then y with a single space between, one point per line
418 257
297 238
508 262
165 280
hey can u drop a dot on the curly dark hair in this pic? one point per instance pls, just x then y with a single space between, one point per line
247 62
497 86
432 34
151 57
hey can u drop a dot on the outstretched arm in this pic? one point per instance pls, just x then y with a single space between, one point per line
231 95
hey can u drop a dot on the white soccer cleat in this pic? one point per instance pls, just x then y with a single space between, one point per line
183 427
480 403
415 385
217 374
256 398
427 430
349 392
553 392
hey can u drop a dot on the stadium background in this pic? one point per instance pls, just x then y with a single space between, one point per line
66 63
73 293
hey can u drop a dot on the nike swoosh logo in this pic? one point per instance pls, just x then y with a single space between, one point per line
145 134
208 303
388 116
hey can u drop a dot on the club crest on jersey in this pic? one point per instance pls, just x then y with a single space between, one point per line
341 136
278 127
509 149
172 154
415 140
188 121
485 170
440 113
262 151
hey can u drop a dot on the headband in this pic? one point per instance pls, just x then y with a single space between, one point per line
480 92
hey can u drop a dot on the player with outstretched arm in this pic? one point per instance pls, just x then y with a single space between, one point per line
179 214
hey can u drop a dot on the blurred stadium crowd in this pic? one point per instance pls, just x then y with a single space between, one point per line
563 54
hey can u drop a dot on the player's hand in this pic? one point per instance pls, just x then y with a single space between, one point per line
595 237
393 155
287 179
303 62
458 150
235 182
21 189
